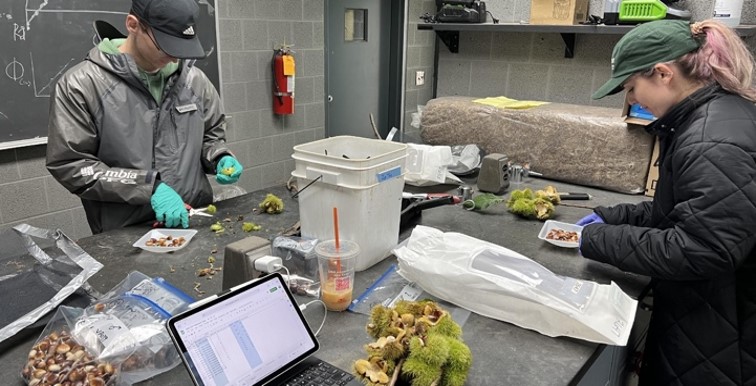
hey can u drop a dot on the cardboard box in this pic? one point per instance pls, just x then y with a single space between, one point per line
653 171
636 115
558 12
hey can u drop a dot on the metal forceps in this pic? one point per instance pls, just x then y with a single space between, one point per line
192 212
198 212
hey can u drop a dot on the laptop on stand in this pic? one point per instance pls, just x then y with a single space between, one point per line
253 335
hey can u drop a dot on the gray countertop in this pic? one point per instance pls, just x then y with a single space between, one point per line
502 353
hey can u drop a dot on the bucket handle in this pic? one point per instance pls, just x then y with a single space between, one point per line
328 177
307 186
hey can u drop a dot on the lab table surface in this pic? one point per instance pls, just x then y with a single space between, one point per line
502 353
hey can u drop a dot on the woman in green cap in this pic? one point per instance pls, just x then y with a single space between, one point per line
697 238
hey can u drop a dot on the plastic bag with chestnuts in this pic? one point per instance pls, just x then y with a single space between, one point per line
126 332
58 359
130 329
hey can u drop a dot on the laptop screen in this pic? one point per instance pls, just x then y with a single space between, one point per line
245 337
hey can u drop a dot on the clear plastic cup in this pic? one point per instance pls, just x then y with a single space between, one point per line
336 267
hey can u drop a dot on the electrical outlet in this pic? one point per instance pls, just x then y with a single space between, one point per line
419 78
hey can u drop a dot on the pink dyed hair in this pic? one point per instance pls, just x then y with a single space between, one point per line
722 58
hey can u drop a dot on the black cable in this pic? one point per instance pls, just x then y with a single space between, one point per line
428 18
593 20
495 20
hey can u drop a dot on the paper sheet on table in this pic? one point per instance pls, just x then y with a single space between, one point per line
499 283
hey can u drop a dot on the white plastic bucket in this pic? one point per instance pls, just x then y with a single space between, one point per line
364 179
728 12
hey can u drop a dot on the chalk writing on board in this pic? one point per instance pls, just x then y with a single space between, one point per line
42 39
15 70
19 32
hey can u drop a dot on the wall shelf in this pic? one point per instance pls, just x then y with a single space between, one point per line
449 32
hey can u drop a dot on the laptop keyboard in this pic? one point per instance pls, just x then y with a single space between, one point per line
321 374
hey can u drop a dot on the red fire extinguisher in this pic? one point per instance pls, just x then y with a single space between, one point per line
283 81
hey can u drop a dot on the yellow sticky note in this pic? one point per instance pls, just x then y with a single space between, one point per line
288 64
508 103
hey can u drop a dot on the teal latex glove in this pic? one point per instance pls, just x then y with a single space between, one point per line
228 171
169 207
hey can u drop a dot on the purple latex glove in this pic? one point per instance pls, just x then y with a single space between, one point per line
592 218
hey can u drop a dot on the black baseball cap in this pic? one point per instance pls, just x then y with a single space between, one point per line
644 46
173 23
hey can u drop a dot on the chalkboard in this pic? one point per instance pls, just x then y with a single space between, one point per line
41 39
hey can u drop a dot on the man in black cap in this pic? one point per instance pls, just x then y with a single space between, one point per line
135 127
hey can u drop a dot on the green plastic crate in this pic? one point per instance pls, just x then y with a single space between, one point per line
642 10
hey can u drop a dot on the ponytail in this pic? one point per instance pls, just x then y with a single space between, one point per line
723 58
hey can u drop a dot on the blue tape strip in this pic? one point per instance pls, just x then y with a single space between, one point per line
367 292
389 174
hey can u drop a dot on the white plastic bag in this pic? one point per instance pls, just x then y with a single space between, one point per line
466 159
429 165
224 192
499 283
417 117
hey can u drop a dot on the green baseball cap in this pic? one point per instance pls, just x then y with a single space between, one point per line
644 46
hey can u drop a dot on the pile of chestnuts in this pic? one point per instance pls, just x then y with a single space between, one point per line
57 359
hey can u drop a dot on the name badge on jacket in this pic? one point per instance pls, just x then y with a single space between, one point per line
186 108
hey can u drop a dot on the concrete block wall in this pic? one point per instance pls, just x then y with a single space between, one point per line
249 29
28 194
533 66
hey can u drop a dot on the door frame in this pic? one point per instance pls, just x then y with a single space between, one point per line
397 64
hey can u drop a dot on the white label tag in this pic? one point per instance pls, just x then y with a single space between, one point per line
390 136
620 302
157 294
106 328
186 108
146 288
410 292
290 82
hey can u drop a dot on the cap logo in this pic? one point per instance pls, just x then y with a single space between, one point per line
612 64
189 31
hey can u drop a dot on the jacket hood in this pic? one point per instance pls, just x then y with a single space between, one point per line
107 56
120 65
110 46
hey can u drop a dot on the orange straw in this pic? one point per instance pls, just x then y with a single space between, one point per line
336 226
336 236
